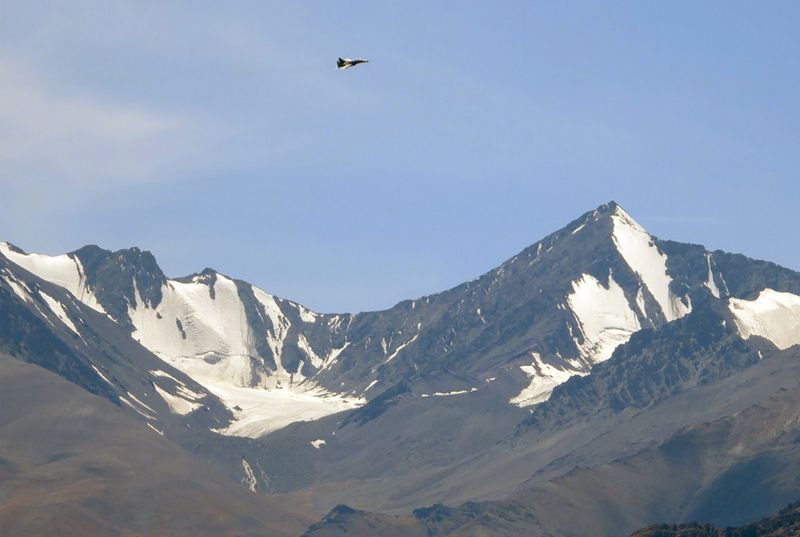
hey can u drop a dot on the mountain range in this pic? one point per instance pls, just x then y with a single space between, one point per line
599 381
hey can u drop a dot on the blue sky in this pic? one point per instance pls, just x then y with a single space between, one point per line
220 134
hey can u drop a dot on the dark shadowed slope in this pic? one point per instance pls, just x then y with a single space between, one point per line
785 524
729 470
73 464
691 365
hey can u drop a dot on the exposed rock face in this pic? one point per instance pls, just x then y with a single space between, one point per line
516 402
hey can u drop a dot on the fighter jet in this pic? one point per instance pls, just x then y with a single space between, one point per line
347 63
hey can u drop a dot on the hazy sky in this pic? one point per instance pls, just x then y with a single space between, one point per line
220 133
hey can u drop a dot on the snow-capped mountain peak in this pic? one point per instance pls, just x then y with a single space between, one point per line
552 311
65 270
641 254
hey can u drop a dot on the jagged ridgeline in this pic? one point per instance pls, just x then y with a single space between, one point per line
556 359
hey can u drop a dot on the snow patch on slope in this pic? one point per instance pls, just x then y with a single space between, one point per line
333 355
139 407
202 336
211 340
370 385
19 288
58 308
604 315
155 429
249 478
641 254
306 315
305 346
277 334
403 345
544 377
710 284
772 315
258 412
448 394
177 405
183 390
605 318
63 270
164 374
102 376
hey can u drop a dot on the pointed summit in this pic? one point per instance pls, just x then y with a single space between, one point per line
600 220
613 211
609 207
